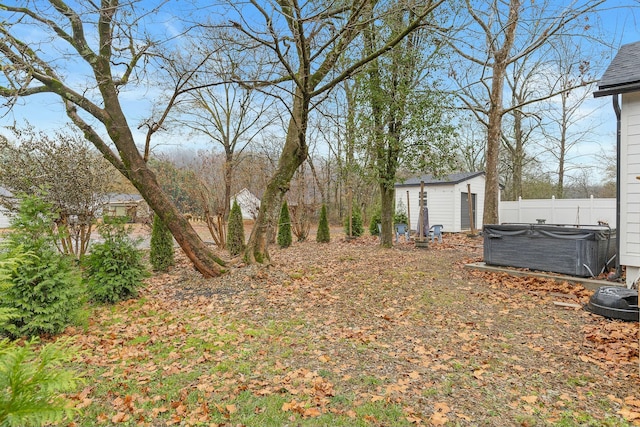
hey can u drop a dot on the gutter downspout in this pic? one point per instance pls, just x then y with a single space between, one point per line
616 108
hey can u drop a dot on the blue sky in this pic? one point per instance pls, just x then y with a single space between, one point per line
620 22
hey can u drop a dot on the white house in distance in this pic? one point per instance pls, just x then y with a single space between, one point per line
447 199
248 202
5 218
622 79
5 215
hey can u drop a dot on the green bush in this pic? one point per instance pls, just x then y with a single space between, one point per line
400 214
400 218
9 262
44 291
323 227
235 231
32 382
114 269
376 219
161 252
357 229
284 227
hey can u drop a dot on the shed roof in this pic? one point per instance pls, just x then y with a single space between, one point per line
623 74
451 179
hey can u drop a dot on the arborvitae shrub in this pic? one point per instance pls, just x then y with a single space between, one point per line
284 227
33 382
114 268
376 219
45 292
161 252
356 223
323 227
235 231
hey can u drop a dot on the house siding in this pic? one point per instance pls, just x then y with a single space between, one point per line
4 218
629 185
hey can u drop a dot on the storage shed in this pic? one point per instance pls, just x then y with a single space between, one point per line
622 80
447 199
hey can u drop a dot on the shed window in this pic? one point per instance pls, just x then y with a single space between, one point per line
422 196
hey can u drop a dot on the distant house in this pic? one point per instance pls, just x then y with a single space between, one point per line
5 218
132 206
622 79
447 200
5 215
248 202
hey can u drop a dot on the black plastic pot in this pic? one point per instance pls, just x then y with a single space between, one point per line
615 302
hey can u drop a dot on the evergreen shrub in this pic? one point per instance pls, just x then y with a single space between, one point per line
33 382
43 287
376 219
285 236
323 235
235 231
114 268
356 223
161 252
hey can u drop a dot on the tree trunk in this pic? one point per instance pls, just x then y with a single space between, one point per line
494 130
387 199
563 147
137 171
494 134
293 155
228 176
192 245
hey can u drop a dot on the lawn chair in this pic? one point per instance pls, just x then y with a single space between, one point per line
402 229
436 231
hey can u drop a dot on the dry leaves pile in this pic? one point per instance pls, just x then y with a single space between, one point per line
348 333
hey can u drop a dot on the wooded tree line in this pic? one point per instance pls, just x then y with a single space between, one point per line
318 101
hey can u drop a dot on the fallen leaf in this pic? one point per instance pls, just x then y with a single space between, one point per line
120 417
438 419
311 412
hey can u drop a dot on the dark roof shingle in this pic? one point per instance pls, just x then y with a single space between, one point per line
453 178
623 74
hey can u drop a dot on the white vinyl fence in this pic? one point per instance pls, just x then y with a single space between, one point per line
560 211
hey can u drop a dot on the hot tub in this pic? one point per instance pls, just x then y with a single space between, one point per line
582 251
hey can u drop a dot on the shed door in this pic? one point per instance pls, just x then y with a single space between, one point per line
465 224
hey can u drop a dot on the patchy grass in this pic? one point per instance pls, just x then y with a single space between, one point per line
348 334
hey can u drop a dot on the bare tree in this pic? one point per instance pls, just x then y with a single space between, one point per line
567 125
107 41
229 115
471 144
521 124
309 42
509 31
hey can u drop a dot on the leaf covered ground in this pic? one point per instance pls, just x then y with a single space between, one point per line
350 334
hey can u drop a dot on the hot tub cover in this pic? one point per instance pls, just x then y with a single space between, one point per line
614 302
577 251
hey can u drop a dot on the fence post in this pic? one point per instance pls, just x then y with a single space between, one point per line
591 221
519 209
553 210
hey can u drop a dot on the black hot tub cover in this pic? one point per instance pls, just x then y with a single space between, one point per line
615 302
